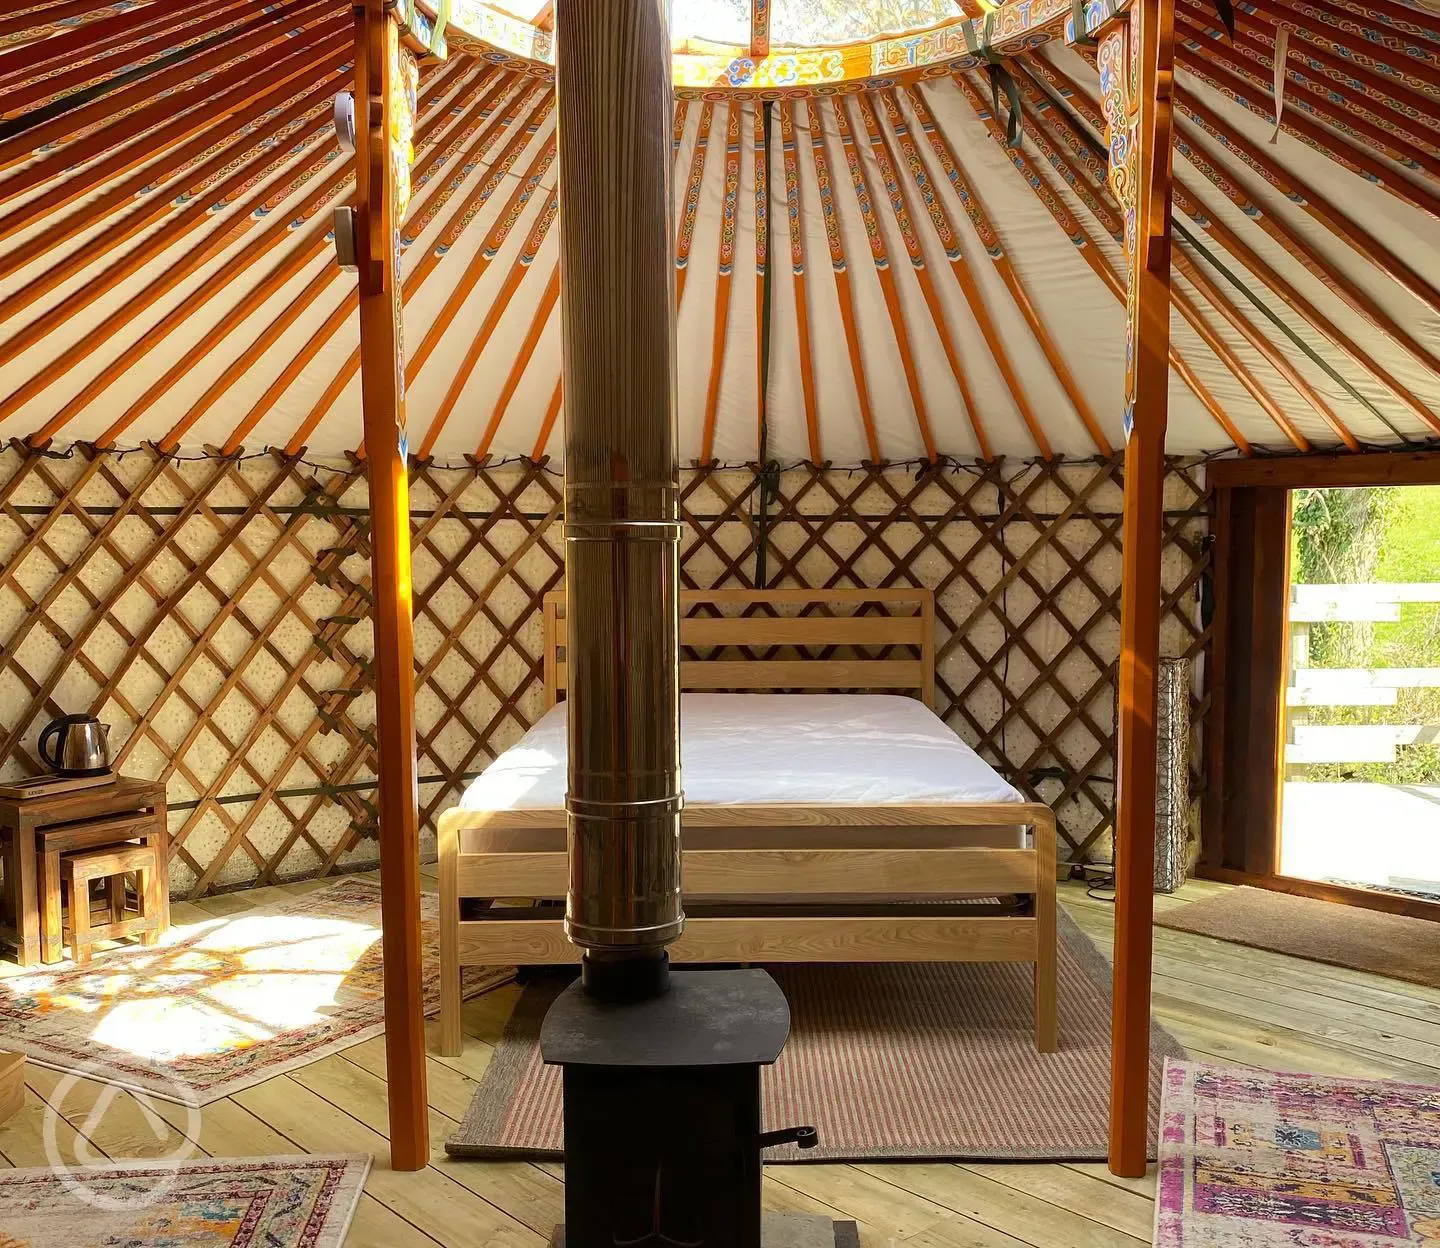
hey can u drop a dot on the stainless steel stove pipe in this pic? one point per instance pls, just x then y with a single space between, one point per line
622 530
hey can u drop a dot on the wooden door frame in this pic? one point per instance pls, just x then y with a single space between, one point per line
1240 834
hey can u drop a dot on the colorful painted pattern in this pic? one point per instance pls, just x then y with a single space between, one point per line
792 189
827 190
729 206
692 189
946 156
1252 1159
762 192
878 251
280 1202
893 190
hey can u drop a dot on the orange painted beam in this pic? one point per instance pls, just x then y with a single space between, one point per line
1233 70
729 214
498 305
795 215
521 362
1100 200
1324 272
132 111
1319 206
294 125
34 56
26 81
243 84
264 200
542 439
840 268
685 238
504 119
994 248
1080 238
879 254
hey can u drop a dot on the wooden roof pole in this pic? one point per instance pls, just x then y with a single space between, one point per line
729 221
1137 80
840 267
1323 72
1236 246
797 274
1091 254
994 248
382 389
436 196
685 236
1214 62
884 270
1100 200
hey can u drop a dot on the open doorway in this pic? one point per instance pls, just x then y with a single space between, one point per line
1360 792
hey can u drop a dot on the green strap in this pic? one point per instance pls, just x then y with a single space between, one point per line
1264 309
1000 77
439 48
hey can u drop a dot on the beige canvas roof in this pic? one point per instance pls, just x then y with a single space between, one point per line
168 172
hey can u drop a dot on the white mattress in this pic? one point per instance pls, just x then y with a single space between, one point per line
775 749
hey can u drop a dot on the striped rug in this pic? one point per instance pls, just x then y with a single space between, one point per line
896 1062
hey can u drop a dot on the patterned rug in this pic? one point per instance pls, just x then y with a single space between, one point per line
221 1005
1250 1159
278 1202
918 1061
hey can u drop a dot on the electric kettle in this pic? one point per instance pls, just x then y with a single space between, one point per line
82 746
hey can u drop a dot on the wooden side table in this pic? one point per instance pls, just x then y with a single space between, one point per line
70 821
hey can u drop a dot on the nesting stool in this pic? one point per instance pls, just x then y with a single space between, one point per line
111 865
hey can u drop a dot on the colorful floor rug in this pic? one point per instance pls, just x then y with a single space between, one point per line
221 1005
1251 1159
920 1061
278 1202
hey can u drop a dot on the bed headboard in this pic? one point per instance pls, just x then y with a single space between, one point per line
786 639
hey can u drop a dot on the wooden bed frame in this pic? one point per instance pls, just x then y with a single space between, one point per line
858 844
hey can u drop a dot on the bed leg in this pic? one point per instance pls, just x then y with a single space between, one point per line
1047 1022
451 1037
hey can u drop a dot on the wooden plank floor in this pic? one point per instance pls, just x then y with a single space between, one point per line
1224 1003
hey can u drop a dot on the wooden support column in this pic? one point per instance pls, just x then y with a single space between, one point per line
1136 58
382 385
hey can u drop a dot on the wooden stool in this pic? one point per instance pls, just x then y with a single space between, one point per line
111 865
35 831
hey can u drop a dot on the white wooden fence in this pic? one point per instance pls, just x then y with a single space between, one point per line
1307 743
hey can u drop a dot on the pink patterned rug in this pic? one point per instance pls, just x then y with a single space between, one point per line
224 1004
1251 1159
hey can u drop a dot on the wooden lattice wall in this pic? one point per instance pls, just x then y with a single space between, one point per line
214 612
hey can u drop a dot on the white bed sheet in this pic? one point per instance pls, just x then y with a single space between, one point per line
775 749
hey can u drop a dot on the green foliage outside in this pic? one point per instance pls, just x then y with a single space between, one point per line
1362 536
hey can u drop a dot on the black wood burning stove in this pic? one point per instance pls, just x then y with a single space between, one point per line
662 1110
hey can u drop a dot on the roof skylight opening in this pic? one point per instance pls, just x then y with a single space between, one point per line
710 21
811 22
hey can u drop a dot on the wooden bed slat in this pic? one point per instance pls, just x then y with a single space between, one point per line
878 619
790 674
790 630
529 942
959 815
779 872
